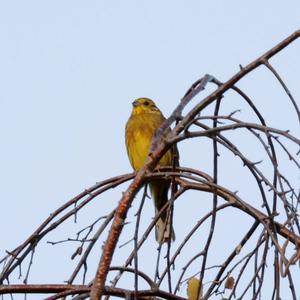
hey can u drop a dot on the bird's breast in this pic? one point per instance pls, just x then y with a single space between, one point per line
139 132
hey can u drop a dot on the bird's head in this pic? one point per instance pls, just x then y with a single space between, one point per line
144 105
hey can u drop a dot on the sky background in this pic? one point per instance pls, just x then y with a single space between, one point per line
69 71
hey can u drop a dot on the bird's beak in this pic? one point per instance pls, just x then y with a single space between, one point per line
134 104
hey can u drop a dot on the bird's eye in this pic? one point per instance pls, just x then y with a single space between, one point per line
146 103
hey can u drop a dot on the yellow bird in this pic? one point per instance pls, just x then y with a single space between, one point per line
140 128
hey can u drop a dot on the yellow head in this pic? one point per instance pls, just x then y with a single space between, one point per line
144 105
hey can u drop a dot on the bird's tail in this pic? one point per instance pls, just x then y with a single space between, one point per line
163 229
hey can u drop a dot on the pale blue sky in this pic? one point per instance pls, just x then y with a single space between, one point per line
69 71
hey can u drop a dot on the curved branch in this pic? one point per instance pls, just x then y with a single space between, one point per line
237 202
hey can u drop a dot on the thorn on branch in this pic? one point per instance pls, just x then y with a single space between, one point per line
77 252
11 254
256 163
234 112
125 223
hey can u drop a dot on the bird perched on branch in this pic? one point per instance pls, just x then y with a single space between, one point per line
145 119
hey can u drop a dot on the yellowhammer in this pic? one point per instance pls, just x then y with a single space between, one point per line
140 128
